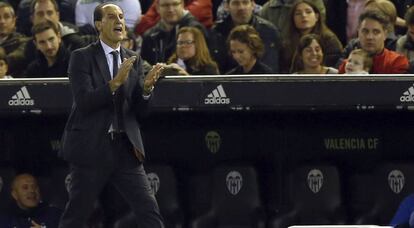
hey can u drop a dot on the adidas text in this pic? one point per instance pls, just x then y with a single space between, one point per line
217 100
408 98
21 102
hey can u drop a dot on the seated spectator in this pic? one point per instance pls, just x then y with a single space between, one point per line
359 62
222 11
372 33
310 56
192 53
42 10
241 13
52 58
305 18
200 9
84 13
4 67
387 8
277 12
246 47
405 44
10 41
28 210
404 212
159 42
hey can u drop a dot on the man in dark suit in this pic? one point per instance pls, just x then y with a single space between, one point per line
102 140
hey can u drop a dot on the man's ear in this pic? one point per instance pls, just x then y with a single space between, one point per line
14 194
98 25
34 42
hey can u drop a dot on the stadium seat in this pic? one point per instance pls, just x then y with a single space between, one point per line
314 196
7 174
235 200
164 185
389 184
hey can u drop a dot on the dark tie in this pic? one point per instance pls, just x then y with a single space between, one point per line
117 123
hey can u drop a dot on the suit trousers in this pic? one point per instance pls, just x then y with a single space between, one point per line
128 176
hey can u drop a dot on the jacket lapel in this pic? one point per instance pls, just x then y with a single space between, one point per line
100 59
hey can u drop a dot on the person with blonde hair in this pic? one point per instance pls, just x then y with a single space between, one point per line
359 62
246 47
192 53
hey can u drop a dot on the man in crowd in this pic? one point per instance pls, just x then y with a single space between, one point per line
10 40
27 209
372 32
52 58
241 12
42 10
159 42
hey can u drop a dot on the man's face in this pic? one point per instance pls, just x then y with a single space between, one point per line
410 31
241 11
371 35
48 43
112 26
171 11
45 10
3 68
26 192
7 21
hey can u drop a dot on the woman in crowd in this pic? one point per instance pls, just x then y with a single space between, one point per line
310 56
305 18
192 53
246 47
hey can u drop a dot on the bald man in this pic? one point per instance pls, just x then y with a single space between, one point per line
28 211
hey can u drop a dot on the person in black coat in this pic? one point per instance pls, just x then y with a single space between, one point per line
27 210
246 48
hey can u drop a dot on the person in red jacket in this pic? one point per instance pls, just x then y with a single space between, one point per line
372 32
200 9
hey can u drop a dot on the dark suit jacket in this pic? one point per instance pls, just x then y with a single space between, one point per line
85 139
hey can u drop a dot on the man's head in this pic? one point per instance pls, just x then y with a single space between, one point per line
110 23
171 11
7 19
4 67
241 11
42 10
372 31
47 38
25 191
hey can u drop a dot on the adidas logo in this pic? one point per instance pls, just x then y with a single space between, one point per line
408 96
217 96
21 98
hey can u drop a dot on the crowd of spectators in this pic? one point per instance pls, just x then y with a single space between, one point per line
38 36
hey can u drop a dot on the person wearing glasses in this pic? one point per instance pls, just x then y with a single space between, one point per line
192 53
159 42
